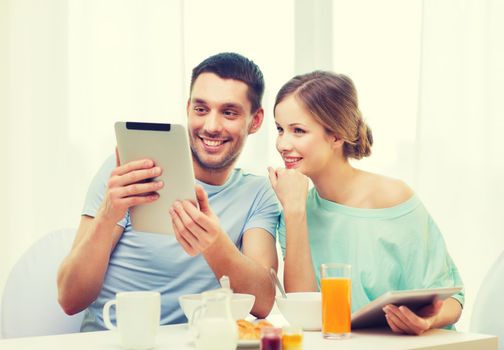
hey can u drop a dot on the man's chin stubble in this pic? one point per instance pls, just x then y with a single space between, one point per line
216 168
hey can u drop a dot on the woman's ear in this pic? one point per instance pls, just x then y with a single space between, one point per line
337 142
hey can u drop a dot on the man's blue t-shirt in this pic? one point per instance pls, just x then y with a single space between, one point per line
150 261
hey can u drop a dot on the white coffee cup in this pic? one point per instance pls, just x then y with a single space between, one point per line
137 315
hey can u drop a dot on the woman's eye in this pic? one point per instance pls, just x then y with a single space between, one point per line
298 131
279 129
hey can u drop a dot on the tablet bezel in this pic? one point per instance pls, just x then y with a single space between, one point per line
372 314
168 145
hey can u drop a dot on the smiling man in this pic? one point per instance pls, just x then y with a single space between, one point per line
232 233
220 117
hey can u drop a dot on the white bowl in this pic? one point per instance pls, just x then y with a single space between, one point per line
241 304
302 309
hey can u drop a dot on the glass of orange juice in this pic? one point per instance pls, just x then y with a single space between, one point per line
336 287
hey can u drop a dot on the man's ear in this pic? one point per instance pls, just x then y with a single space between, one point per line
257 120
188 105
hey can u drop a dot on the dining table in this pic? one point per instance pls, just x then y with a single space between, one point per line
180 337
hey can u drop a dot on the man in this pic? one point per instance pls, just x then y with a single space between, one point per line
233 232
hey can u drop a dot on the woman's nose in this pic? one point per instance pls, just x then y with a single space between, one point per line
283 144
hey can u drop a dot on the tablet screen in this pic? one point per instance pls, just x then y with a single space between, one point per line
168 146
372 315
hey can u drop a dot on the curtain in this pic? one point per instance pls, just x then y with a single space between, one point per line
430 77
460 122
70 69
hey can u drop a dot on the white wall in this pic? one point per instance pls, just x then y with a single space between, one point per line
430 80
460 164
73 68
35 85
248 31
378 45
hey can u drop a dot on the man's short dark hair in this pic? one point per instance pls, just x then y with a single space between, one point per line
230 65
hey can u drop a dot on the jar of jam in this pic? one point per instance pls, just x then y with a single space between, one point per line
271 338
292 338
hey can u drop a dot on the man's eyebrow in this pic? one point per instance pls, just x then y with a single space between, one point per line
233 105
198 100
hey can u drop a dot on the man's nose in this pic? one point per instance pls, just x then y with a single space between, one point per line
213 123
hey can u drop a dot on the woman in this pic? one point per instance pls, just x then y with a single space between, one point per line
375 223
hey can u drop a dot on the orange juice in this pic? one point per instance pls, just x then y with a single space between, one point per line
292 338
292 342
336 305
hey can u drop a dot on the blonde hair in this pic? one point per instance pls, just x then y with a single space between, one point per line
332 100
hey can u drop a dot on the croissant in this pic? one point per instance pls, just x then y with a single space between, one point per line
251 331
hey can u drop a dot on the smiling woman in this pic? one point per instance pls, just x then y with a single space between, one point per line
336 220
299 135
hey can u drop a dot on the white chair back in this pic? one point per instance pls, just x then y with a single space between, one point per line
30 297
488 312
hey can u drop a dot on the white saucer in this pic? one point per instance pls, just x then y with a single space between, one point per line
248 343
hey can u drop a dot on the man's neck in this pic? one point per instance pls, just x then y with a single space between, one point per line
214 177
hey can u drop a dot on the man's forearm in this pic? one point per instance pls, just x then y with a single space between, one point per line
81 274
245 274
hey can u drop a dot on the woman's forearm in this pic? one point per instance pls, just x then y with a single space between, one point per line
449 314
299 275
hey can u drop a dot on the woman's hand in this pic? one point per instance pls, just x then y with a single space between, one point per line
404 321
290 186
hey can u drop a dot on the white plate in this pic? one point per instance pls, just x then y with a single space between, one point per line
248 343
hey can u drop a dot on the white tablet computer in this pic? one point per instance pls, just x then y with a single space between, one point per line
372 314
168 146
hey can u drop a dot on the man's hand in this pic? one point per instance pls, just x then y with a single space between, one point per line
82 272
126 189
404 321
199 232
196 230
